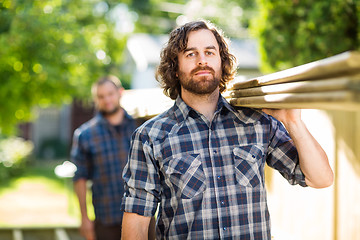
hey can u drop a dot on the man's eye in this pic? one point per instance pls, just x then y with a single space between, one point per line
190 54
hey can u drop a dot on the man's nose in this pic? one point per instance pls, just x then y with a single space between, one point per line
202 61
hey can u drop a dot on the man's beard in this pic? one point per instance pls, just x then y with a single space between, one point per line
203 85
110 112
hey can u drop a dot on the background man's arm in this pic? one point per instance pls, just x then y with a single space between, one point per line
87 226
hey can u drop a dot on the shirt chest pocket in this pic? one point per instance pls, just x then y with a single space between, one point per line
248 160
185 176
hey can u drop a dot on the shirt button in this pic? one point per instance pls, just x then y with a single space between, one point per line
219 177
253 156
222 203
215 152
224 228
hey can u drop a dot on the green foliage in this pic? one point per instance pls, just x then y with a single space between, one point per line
160 17
48 53
293 32
14 153
52 50
155 16
232 16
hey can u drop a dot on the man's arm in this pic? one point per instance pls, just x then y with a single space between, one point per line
312 158
135 226
87 226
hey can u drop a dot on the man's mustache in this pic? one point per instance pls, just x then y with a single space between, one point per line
207 68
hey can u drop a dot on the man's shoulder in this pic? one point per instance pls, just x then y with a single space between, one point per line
158 125
89 125
128 116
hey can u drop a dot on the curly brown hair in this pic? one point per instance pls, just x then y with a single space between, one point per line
168 67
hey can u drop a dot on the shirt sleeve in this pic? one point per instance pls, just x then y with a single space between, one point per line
141 178
80 156
283 155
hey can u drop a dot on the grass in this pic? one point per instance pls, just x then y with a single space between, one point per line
37 172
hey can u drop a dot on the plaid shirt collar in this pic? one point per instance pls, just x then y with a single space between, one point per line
182 111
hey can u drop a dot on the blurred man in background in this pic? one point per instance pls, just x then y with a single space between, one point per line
99 151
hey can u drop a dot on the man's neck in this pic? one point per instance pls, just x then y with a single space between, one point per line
204 104
115 118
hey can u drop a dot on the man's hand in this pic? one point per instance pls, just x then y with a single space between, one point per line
87 229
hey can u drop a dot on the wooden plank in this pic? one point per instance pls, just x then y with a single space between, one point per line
341 83
338 65
342 106
339 100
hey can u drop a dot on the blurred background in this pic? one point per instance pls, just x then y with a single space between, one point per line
51 51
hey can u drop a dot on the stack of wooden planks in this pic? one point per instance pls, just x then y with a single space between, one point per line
330 83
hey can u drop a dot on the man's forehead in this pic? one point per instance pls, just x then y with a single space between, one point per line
202 38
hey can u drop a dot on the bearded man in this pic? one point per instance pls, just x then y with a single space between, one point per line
200 164
99 151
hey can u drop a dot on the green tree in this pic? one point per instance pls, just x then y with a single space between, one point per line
157 16
51 51
295 32
160 17
232 16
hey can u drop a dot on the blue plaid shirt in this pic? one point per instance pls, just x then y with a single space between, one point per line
208 177
100 153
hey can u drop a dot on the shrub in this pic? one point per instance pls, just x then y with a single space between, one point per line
14 152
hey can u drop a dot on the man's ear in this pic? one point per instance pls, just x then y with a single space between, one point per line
121 91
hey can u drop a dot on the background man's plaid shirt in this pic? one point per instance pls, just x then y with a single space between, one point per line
207 176
100 154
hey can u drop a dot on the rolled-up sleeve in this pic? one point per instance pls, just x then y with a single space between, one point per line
141 177
283 155
79 156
